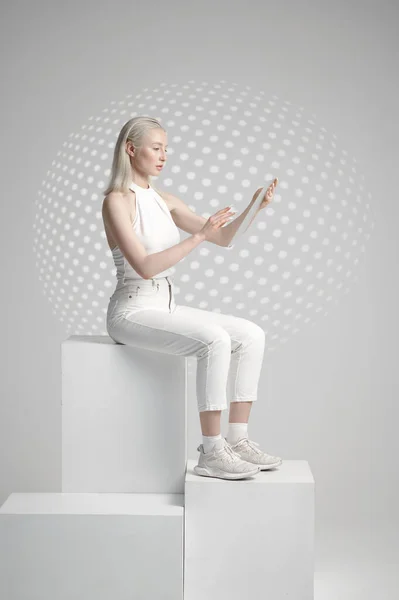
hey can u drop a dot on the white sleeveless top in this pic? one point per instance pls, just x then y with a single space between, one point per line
155 228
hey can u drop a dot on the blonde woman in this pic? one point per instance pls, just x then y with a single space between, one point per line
142 228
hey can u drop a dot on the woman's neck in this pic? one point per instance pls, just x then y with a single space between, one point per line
141 181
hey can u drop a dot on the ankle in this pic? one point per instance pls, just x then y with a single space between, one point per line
208 441
237 431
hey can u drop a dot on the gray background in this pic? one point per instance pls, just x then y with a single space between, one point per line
330 392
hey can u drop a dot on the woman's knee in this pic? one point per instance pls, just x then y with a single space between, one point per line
216 337
254 332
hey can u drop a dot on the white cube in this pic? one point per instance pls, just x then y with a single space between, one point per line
250 538
123 418
56 546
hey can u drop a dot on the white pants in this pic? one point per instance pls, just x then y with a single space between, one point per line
143 313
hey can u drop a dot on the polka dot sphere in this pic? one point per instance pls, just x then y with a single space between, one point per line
298 256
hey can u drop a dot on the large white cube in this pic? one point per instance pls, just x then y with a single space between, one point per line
56 546
250 538
123 418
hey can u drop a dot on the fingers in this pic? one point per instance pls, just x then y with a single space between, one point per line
221 223
224 219
223 216
222 213
271 188
273 184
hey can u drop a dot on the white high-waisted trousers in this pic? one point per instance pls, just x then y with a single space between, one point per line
143 313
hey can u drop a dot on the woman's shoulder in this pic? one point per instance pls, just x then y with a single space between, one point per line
115 199
119 200
116 196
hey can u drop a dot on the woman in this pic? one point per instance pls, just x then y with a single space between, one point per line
141 224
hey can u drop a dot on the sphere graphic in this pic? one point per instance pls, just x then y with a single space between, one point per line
298 256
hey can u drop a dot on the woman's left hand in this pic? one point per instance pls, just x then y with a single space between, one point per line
269 194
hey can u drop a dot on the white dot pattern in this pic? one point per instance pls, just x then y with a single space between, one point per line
298 256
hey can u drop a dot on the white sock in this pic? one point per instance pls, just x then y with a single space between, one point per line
236 432
208 441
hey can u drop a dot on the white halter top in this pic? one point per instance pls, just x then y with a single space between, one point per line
155 228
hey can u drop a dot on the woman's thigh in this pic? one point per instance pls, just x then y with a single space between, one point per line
179 332
238 328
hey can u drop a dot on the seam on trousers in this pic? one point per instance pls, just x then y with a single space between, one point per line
207 370
238 367
181 335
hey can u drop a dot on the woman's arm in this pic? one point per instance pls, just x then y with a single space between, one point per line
189 221
116 216
160 261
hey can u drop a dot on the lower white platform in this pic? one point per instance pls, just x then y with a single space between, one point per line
250 538
224 540
57 546
119 405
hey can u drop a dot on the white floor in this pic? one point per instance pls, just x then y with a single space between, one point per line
357 563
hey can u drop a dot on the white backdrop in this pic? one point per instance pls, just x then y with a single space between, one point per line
329 393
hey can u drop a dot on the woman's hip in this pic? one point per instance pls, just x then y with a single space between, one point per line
140 294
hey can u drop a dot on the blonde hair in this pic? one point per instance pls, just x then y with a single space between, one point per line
133 131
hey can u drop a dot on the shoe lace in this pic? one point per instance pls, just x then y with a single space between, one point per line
231 455
251 444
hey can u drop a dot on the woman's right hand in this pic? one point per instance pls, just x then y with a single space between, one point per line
216 221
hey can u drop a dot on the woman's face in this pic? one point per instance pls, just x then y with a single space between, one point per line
152 153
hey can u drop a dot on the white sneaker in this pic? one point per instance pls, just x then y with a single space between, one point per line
250 452
222 462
